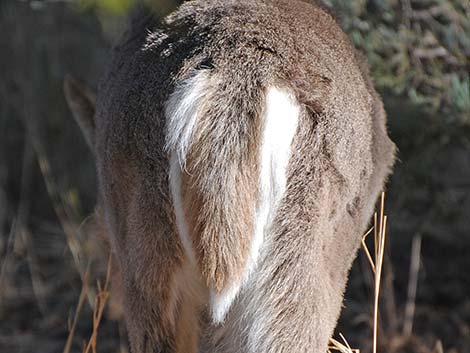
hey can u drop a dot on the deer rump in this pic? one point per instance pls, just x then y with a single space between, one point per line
240 148
228 171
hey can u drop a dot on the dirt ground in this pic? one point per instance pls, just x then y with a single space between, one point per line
47 188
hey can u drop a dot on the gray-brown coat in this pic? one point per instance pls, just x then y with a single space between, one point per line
240 149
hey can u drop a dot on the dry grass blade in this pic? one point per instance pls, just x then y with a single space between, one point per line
336 346
376 264
81 300
366 250
98 310
378 276
380 230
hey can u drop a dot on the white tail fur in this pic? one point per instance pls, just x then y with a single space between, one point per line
280 120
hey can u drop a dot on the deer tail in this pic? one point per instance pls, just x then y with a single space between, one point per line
229 147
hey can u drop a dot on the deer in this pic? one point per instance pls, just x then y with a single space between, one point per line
240 149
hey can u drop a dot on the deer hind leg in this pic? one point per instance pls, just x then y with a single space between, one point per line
293 298
166 319
291 302
192 298
161 290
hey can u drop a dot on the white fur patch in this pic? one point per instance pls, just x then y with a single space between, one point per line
281 116
220 303
175 188
181 113
281 119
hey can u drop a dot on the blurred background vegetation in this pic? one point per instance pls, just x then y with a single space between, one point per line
419 53
418 50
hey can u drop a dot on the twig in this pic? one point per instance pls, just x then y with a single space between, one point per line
100 304
6 258
81 300
388 298
430 12
412 285
433 53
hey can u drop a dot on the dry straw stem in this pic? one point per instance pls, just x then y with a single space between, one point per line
336 346
81 300
376 263
100 303
98 310
380 228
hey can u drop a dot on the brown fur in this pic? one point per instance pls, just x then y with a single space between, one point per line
219 180
341 156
